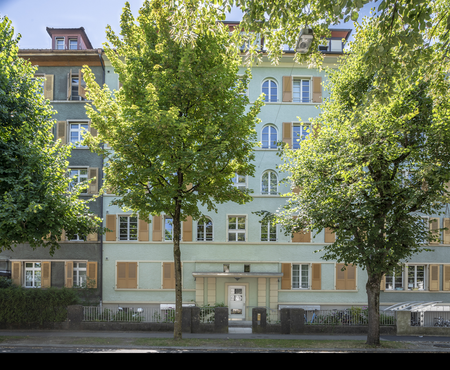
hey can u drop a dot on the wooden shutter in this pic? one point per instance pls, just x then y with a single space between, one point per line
187 229
93 237
330 236
68 281
316 276
351 278
91 273
63 236
93 130
383 283
446 278
287 88
317 89
315 130
143 231
126 275
287 133
81 88
434 228
286 279
93 186
345 280
69 85
48 87
111 224
447 232
434 277
46 274
168 275
16 273
340 277
61 128
157 229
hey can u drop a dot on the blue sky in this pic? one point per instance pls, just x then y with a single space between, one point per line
31 17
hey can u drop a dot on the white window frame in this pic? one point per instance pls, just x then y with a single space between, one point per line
272 229
70 43
240 181
271 143
203 224
303 133
57 40
236 231
77 277
299 284
75 83
128 220
269 94
78 131
299 98
76 178
416 282
394 280
270 191
36 273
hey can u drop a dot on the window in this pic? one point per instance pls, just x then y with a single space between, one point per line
300 132
395 281
73 44
300 276
416 277
76 132
269 88
268 232
269 184
246 268
59 43
79 274
168 228
75 87
239 181
269 137
78 176
301 90
32 274
236 229
128 227
205 231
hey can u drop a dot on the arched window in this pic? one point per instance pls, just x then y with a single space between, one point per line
205 230
269 184
269 87
269 137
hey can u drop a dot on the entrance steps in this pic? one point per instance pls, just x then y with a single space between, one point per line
239 326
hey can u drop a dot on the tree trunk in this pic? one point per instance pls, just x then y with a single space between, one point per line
373 297
177 262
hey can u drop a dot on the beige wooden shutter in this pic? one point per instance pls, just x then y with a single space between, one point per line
446 278
287 133
317 89
48 87
69 85
383 283
61 128
121 275
168 275
157 229
93 237
340 277
447 232
305 236
315 130
330 236
46 274
81 88
187 229
16 273
296 190
287 88
91 273
434 277
132 275
143 231
63 236
434 228
68 281
286 278
351 277
93 186
93 130
316 276
111 224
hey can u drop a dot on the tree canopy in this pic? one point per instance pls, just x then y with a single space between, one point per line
36 205
178 130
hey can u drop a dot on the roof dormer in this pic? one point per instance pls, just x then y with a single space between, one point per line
69 39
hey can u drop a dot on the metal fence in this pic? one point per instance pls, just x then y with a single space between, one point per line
352 316
438 318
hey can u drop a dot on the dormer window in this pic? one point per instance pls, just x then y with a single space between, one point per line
59 41
73 44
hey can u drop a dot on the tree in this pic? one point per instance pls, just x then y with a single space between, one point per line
374 163
177 129
35 203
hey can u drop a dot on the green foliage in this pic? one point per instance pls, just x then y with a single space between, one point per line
35 203
19 305
5 282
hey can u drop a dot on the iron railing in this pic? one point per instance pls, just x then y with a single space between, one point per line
352 316
435 317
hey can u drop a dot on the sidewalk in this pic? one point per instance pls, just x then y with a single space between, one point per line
124 340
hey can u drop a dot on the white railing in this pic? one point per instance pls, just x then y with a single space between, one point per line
128 314
346 317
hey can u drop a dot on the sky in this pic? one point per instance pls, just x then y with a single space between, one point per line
31 17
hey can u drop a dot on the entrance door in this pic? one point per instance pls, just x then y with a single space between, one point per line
236 302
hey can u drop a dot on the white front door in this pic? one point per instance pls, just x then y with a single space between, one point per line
236 302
